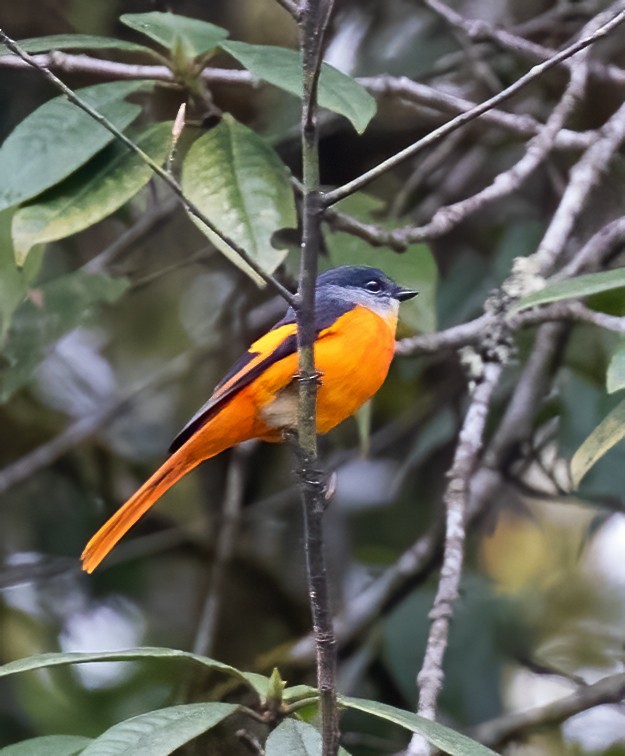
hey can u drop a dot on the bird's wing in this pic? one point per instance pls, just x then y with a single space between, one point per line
273 346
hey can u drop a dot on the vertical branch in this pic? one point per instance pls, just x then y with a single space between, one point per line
313 22
471 439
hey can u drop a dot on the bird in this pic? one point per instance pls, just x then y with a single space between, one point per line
356 312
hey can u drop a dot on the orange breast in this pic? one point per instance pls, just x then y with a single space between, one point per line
353 357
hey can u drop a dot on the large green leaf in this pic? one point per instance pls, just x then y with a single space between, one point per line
170 30
615 378
48 312
96 190
414 269
574 288
160 732
237 180
448 740
283 68
609 432
58 138
45 661
75 42
48 745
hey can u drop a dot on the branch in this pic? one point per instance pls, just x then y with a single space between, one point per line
376 236
452 338
111 69
155 167
314 20
570 310
330 198
470 442
521 124
497 732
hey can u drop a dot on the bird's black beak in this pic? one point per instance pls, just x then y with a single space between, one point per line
403 294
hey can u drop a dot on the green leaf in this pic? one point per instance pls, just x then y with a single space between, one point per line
48 312
44 661
414 269
237 180
615 378
170 30
75 42
295 738
96 190
160 732
609 432
58 138
448 740
296 693
573 288
50 745
282 68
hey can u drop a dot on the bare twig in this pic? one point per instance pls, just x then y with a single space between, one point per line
470 442
226 541
155 167
570 310
453 338
497 732
111 69
376 236
423 94
330 198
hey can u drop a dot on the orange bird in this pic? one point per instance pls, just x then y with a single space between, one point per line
356 316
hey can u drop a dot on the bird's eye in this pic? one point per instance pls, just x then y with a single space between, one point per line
373 286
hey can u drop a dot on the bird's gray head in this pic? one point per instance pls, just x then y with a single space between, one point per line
363 285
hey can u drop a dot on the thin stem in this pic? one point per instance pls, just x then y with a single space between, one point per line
156 168
233 497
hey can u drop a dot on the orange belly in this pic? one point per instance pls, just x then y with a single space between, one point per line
353 357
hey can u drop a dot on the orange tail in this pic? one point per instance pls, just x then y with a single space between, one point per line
235 422
120 523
